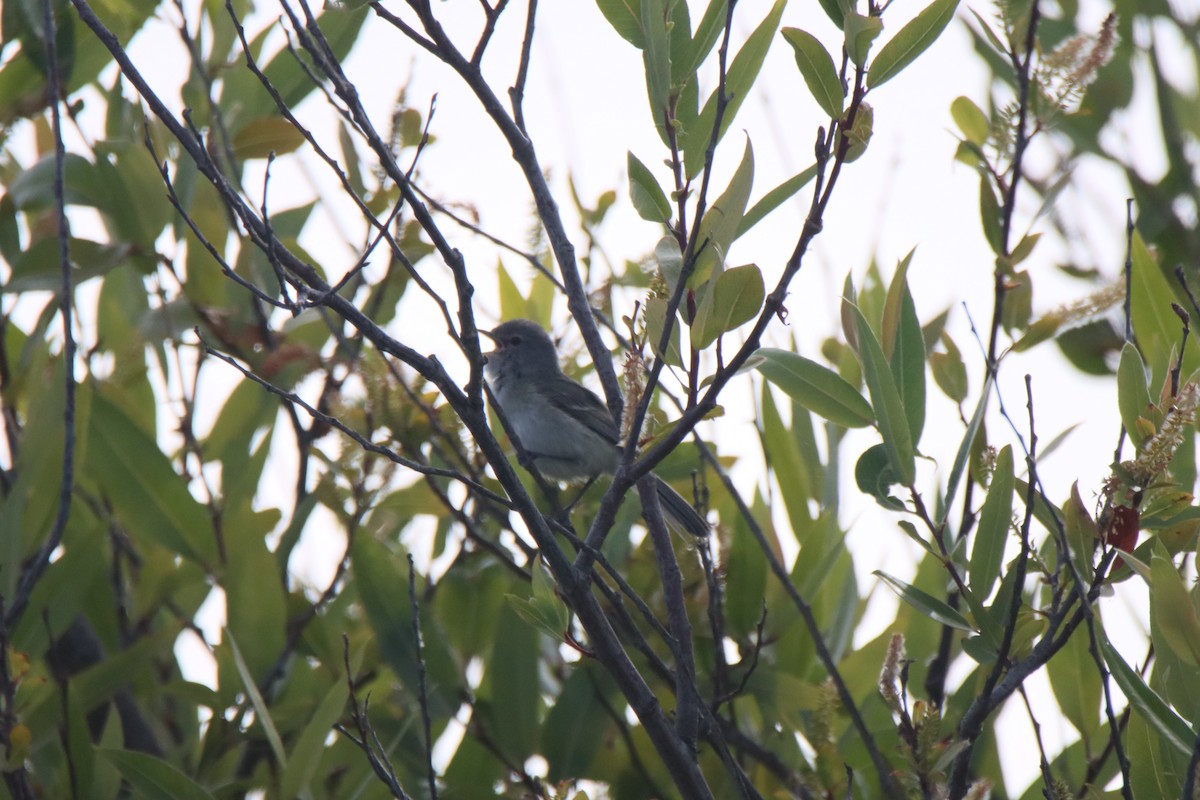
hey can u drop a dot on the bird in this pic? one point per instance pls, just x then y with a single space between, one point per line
565 428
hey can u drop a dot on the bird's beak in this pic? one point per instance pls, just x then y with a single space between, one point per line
488 334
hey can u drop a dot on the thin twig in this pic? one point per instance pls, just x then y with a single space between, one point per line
363 442
687 693
37 565
516 94
367 740
422 696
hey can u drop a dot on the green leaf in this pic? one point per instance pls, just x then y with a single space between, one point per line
739 79
512 302
735 298
1023 249
911 532
475 770
815 386
1154 326
262 712
1042 329
383 588
1082 532
836 11
625 17
569 747
39 268
911 40
861 31
1173 610
874 475
937 610
775 198
656 57
991 535
306 755
723 220
543 609
152 777
149 497
1018 310
964 447
1157 768
889 327
817 69
858 136
669 259
971 120
904 344
1174 730
267 135
648 198
1133 392
339 25
746 573
707 32
656 320
1076 683
989 215
885 399
949 371
510 688
783 456
257 612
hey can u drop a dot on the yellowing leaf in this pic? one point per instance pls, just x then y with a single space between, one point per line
264 136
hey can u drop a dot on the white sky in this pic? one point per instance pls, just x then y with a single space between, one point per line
586 106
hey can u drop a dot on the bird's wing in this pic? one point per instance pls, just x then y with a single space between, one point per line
582 404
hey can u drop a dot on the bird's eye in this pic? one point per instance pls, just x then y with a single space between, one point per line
515 340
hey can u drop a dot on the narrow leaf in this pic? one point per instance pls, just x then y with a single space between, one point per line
964 447
902 329
1133 391
971 120
723 220
911 40
656 321
739 80
264 136
1082 532
949 371
261 711
816 387
817 69
861 31
1173 611
1076 683
775 198
737 295
648 198
625 17
989 215
987 553
152 777
708 30
927 604
306 755
885 399
1150 706
656 55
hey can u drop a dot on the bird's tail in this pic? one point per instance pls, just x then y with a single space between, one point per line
679 513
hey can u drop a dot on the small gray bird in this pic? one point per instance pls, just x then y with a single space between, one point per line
564 427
